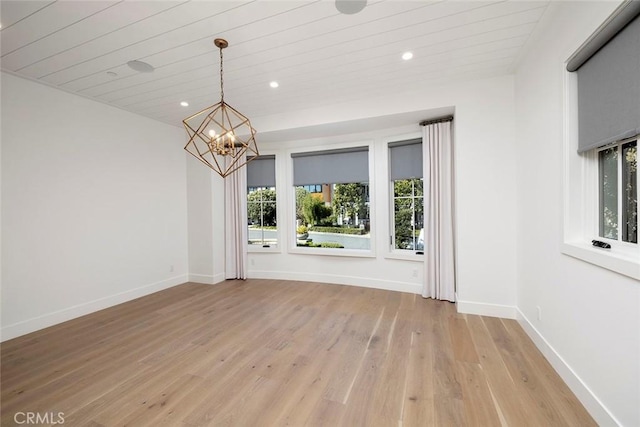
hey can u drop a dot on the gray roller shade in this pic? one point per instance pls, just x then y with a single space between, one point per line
331 166
619 19
261 172
609 91
405 159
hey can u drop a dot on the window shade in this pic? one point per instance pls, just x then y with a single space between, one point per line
331 166
261 172
609 87
405 159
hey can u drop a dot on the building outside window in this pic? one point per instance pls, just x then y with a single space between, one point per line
313 188
261 202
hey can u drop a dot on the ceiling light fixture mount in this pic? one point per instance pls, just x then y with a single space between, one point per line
220 136
350 7
221 43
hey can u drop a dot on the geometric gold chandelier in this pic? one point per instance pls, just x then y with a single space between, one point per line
220 136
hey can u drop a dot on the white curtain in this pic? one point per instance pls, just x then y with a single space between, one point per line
235 219
438 222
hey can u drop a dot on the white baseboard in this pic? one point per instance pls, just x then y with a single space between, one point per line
338 280
207 279
485 309
50 319
593 405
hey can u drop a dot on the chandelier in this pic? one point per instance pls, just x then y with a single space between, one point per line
220 136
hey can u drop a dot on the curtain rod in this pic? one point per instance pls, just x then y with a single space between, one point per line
440 120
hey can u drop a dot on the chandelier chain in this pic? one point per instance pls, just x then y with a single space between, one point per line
221 79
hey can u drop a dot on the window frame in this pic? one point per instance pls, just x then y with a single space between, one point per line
278 247
392 218
291 208
386 207
262 202
596 232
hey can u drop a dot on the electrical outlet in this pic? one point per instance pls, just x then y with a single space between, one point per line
171 268
539 312
253 262
415 272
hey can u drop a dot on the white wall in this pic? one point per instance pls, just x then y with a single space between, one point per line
205 207
200 215
590 323
485 184
93 206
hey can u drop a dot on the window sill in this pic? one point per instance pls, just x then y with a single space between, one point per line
625 262
405 256
257 249
333 252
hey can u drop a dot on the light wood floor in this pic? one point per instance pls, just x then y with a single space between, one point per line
276 353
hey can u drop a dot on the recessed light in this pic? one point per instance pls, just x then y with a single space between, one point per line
184 103
407 56
141 67
274 84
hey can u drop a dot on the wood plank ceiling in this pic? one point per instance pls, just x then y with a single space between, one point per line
316 54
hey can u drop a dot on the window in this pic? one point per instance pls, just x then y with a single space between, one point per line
602 117
608 109
332 199
408 215
405 171
261 202
618 192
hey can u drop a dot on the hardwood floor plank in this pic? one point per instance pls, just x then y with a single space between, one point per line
245 410
388 395
510 402
375 395
326 413
558 391
542 409
447 390
482 413
164 401
418 402
275 353
310 363
462 344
